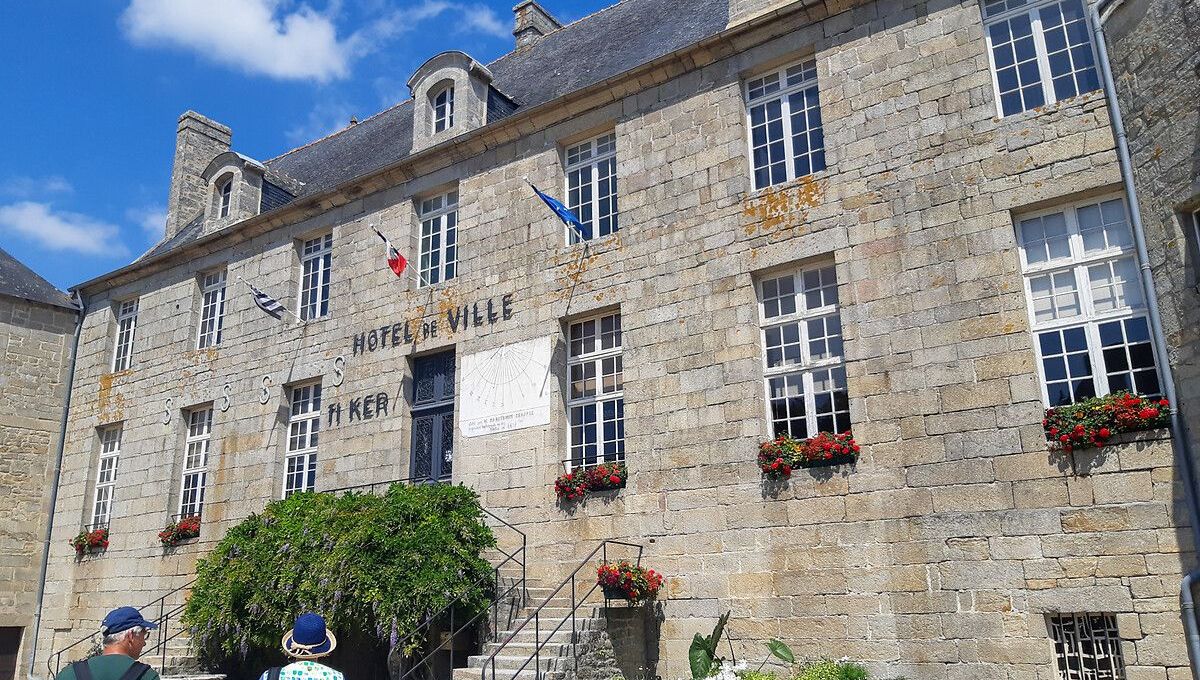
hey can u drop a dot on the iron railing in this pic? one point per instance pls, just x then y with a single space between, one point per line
576 602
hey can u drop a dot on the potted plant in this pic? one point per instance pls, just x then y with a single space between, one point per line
630 582
1092 422
180 531
90 542
574 485
778 457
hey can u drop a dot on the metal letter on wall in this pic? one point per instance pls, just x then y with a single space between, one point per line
339 372
167 411
226 390
264 394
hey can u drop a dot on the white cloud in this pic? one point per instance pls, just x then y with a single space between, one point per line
29 187
484 20
257 36
61 230
326 119
152 219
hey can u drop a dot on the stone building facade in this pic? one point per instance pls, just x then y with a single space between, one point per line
37 324
841 198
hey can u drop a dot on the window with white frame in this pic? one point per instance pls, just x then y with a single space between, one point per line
591 169
443 109
804 367
439 238
1087 647
316 261
212 308
106 475
1086 304
304 424
127 313
226 193
1041 52
596 397
195 462
1195 227
786 137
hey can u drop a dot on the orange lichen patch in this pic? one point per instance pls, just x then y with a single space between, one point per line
449 301
783 208
111 406
573 272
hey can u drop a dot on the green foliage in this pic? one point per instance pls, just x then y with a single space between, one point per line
832 670
373 566
780 651
756 675
702 655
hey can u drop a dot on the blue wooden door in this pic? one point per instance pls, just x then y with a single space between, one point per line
433 417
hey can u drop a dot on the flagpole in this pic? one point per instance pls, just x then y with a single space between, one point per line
416 271
294 315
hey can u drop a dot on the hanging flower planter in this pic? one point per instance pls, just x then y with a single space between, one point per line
574 485
90 542
1092 422
629 582
778 457
180 531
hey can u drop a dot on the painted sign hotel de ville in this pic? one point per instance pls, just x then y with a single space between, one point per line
906 219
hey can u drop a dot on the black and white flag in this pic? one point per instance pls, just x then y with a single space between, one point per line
266 303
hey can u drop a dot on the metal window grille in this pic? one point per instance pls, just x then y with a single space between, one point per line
106 475
126 326
804 366
439 238
596 396
304 424
316 260
591 169
787 139
1086 304
212 309
1087 647
195 462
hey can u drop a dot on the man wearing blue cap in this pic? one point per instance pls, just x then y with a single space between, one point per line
125 632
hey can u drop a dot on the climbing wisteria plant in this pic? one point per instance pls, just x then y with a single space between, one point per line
373 566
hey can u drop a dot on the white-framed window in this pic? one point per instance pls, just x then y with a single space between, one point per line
195 462
1087 647
803 364
304 424
127 313
226 194
1040 50
439 238
1086 304
596 395
443 109
784 121
316 261
591 169
1196 242
106 475
212 308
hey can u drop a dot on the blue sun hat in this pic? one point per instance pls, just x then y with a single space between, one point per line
308 638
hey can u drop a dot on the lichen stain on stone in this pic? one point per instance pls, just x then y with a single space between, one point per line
783 208
450 301
573 272
111 406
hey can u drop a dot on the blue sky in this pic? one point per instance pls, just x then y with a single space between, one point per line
93 90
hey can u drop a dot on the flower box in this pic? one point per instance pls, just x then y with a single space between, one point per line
180 531
574 485
778 457
630 582
90 542
1091 423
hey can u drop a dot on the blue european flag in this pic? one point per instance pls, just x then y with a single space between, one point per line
565 214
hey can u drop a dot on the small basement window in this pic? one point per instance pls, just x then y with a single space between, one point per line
1087 647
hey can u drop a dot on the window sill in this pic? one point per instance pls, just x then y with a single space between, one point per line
754 194
168 549
597 244
1052 107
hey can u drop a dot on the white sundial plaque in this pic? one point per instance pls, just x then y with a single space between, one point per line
507 388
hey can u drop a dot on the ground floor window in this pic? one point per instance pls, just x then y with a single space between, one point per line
596 395
1087 647
433 417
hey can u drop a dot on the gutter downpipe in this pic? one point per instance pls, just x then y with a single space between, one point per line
1179 435
62 444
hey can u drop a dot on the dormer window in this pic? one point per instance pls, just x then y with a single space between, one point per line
443 109
226 194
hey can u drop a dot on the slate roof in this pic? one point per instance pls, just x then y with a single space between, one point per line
19 281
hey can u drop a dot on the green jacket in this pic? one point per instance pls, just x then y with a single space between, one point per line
106 667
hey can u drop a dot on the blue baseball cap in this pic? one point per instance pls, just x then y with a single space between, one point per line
124 618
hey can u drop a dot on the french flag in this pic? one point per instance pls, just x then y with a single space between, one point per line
395 260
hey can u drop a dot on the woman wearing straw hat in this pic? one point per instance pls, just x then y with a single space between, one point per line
307 641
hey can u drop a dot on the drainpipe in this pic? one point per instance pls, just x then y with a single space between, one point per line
1180 442
62 443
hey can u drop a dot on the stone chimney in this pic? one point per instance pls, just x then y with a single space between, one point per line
198 140
533 22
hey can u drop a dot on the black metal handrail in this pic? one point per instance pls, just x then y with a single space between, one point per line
535 617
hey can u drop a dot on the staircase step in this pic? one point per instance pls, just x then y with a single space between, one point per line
551 662
527 674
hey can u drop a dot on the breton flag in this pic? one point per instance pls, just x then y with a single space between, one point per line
395 260
564 213
266 303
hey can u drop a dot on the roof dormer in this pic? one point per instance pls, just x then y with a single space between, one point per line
450 97
235 185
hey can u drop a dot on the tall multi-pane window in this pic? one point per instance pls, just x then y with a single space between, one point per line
443 109
304 423
106 475
804 367
226 196
195 462
596 400
786 137
592 185
439 238
127 312
316 261
1041 51
1087 307
212 308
